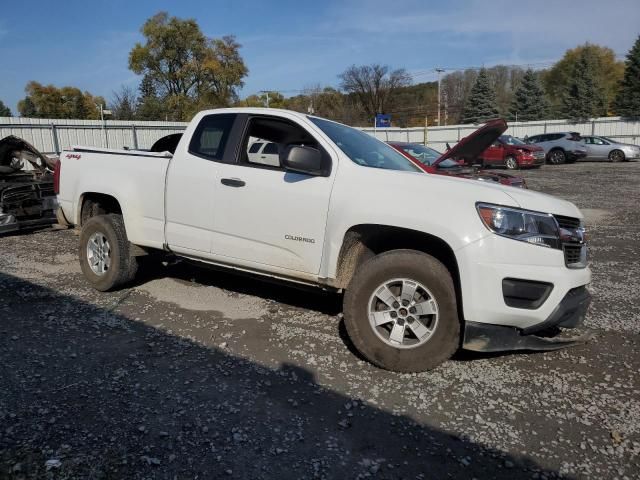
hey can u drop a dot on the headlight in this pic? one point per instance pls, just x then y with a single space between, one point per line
523 225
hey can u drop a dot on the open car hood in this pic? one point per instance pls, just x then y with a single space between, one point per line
17 154
471 146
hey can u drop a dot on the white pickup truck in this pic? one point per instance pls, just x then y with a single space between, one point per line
427 263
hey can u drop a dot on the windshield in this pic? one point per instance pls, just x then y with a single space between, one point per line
607 139
509 140
362 148
426 155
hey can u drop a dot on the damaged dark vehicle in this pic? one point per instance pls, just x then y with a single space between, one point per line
27 197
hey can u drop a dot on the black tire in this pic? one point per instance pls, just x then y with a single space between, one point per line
416 266
617 156
511 163
123 266
556 156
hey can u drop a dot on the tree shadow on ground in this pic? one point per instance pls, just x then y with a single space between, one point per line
110 397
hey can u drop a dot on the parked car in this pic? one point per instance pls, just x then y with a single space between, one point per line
265 153
560 147
433 162
426 262
512 153
605 148
27 198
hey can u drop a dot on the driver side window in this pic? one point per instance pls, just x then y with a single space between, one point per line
267 139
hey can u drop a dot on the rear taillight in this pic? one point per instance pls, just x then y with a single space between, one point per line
56 177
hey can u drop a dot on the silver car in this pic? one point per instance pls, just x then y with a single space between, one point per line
605 148
560 147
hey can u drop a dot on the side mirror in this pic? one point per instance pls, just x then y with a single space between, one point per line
303 160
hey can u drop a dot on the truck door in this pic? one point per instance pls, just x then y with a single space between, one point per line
265 217
192 181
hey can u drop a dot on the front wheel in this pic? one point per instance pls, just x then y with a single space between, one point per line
105 253
400 311
511 163
557 157
616 156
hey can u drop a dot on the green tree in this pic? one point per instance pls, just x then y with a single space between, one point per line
48 101
123 104
481 104
149 106
188 70
607 73
627 102
4 110
582 98
27 108
529 101
276 100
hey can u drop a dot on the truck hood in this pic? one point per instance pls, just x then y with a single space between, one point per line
16 154
494 192
471 146
541 202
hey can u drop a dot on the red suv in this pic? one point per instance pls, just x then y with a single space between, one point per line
512 153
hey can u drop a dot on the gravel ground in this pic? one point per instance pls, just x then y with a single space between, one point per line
199 374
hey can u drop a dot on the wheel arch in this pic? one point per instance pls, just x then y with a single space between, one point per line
91 204
364 241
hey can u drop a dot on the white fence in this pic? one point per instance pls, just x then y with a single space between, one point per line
623 130
51 136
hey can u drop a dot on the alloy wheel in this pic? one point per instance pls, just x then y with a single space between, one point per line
403 313
99 253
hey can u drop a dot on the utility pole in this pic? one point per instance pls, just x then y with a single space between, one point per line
266 92
104 112
439 71
446 105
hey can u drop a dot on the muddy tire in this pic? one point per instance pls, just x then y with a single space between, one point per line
400 311
105 253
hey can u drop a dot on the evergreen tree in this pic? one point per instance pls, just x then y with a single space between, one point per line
529 102
481 104
4 110
582 98
149 106
627 102
27 108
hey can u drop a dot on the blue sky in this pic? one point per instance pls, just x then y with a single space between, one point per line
291 45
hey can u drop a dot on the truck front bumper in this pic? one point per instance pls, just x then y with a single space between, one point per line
514 293
570 313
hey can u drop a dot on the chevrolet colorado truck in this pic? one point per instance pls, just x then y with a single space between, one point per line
427 263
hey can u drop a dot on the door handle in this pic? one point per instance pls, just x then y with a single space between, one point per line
232 182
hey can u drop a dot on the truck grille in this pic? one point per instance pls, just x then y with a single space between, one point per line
567 222
575 249
26 199
538 154
573 254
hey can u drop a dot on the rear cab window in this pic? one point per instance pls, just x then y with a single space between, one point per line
210 137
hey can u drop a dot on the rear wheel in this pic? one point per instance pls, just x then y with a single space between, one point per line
557 156
616 156
105 253
511 163
400 311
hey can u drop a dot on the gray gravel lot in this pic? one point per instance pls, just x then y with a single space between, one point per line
199 374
